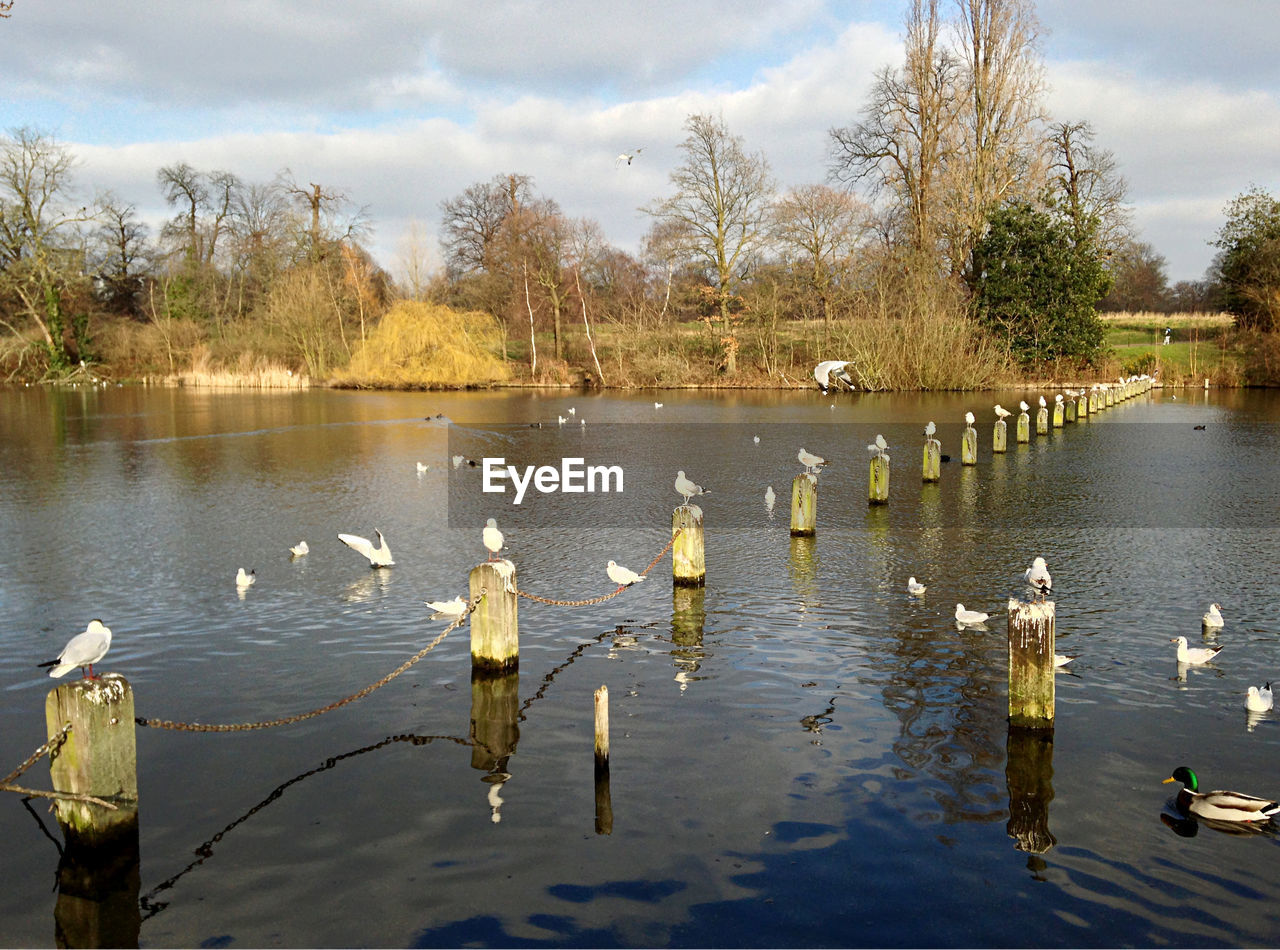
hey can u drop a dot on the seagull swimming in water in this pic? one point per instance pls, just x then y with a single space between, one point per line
1194 654
82 650
423 467
914 587
1213 617
379 556
622 576
1061 660
967 617
687 487
492 537
770 499
452 609
1259 700
1037 576
812 463
299 549
245 578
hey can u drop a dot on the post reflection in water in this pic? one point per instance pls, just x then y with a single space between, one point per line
495 711
688 617
803 566
1029 776
98 891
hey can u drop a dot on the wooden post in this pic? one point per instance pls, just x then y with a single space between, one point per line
688 565
878 482
604 803
969 447
1028 776
495 635
1110 397
932 460
804 505
1031 641
1058 411
98 758
1070 414
999 436
1024 428
495 718
1082 407
1042 421
1095 400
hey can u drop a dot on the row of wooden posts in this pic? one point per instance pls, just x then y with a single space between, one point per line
97 756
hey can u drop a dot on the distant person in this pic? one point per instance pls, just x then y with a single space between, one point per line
1168 335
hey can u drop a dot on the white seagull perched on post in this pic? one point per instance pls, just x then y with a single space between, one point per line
1023 406
622 576
1002 412
1058 398
492 537
245 578
1043 404
1194 654
687 488
1037 576
1259 700
878 447
82 650
914 587
812 463
452 609
378 557
968 418
828 370
1212 618
967 617
930 429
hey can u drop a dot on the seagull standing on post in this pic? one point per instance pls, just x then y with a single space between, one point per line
82 650
688 488
812 463
1037 575
492 537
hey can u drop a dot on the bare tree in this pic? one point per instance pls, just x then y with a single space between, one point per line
1086 182
819 226
120 254
719 213
184 188
330 217
473 220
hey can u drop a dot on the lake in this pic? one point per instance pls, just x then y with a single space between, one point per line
802 754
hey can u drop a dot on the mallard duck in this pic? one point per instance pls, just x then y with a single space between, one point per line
1219 805
1194 654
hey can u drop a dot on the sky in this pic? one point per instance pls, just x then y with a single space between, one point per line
401 104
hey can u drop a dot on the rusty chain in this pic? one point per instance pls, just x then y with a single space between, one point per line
50 746
289 720
602 598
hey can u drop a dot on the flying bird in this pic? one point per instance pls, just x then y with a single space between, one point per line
829 370
492 537
967 617
299 549
452 609
622 576
812 463
82 650
914 587
245 578
379 556
687 488
1037 576
627 156
1259 700
1194 655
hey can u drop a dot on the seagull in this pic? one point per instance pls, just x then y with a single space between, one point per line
1194 654
1058 398
245 578
687 488
828 370
968 418
458 460
967 617
572 411
627 156
657 405
422 467
1213 617
1002 412
1073 393
930 429
1259 700
561 420
914 587
1023 406
812 463
622 576
1043 404
447 608
492 537
1061 660
82 650
378 557
881 444
756 439
299 549
770 498
1037 575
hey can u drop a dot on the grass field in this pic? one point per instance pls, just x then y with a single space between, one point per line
1202 345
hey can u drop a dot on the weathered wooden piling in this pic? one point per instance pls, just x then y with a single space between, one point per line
1059 414
495 634
1023 432
1069 415
1095 400
97 758
804 505
1109 397
1028 776
98 889
689 615
495 718
604 802
932 468
1031 642
999 436
688 562
878 481
969 447
1082 406
1042 421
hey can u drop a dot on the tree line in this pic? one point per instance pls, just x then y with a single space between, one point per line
951 191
